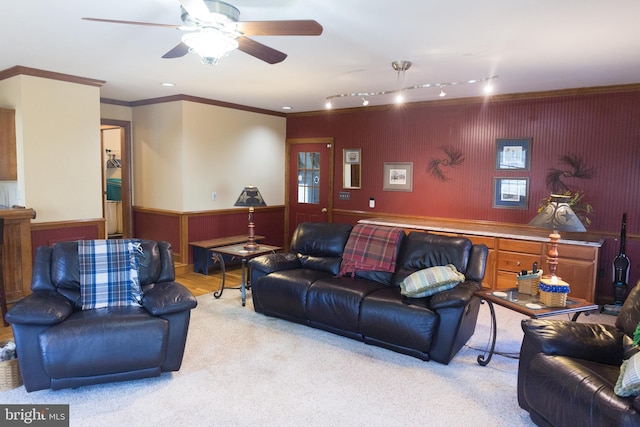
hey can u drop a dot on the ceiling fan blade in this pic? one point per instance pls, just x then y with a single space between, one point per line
179 51
302 27
197 9
260 51
149 24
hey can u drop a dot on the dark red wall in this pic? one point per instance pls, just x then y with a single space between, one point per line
49 236
268 223
157 226
603 129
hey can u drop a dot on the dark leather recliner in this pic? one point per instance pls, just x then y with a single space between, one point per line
303 286
59 345
568 370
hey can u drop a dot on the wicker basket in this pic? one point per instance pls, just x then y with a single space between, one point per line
551 295
528 284
10 376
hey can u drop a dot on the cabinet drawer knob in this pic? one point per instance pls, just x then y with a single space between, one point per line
517 262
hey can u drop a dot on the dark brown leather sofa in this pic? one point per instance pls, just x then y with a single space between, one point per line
568 370
303 286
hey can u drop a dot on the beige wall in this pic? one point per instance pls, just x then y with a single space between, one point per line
58 145
184 151
116 112
157 156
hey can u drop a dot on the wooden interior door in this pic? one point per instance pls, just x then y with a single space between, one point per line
309 191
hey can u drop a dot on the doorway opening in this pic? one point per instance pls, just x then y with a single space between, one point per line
117 209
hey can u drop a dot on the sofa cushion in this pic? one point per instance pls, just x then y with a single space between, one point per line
109 273
334 303
104 341
387 320
320 239
284 293
429 281
422 250
628 383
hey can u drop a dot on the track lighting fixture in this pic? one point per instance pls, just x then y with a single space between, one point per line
401 67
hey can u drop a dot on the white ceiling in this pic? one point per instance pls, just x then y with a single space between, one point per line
533 45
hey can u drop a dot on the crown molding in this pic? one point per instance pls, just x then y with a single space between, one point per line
34 72
596 90
182 97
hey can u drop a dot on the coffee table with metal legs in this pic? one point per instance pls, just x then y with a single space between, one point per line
238 251
529 306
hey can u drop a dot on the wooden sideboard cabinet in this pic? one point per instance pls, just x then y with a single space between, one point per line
515 255
578 266
513 248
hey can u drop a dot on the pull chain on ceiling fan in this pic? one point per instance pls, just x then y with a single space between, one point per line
215 31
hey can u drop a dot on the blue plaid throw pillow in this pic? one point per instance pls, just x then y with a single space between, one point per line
109 273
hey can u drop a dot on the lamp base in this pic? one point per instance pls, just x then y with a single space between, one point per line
251 246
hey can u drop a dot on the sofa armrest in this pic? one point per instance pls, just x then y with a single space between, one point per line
40 308
167 297
595 342
270 263
459 296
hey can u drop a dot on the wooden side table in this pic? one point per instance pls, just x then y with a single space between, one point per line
529 306
238 251
201 258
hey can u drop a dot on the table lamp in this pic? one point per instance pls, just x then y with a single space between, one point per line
250 197
557 216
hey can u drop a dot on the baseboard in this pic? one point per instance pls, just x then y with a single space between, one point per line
180 268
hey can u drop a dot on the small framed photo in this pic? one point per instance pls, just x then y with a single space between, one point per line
513 154
398 176
352 156
511 193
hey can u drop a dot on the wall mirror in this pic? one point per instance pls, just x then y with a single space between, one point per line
352 168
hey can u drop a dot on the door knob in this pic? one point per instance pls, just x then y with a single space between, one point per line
324 210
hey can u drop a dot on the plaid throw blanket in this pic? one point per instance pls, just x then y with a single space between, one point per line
109 273
370 248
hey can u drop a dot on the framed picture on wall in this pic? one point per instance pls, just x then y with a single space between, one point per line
398 176
511 193
513 154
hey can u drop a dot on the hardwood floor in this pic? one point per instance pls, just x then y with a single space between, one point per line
198 284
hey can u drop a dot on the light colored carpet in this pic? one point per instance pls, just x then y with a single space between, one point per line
245 369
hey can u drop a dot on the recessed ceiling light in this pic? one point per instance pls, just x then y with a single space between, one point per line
167 84
286 107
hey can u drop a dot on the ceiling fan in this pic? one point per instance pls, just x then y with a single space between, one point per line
214 30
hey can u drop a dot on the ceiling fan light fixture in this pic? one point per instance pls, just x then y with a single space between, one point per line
442 93
211 44
219 12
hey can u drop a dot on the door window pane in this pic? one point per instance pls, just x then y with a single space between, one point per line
309 178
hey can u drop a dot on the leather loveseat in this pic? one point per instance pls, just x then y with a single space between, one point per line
568 371
61 345
303 286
